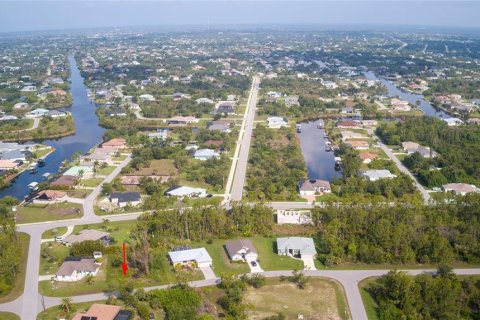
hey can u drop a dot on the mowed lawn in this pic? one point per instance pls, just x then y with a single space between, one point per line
19 284
120 231
40 212
8 316
370 304
221 262
322 299
270 260
50 234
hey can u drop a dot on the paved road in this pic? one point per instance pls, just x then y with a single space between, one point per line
425 195
349 279
240 159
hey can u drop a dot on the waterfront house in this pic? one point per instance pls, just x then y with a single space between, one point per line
115 143
367 157
48 196
375 175
453 122
6 165
313 186
37 113
14 155
276 122
193 258
65 181
56 114
241 250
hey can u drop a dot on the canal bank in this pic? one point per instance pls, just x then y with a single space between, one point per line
393 91
88 134
320 163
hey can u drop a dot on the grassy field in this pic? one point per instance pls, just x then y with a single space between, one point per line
159 167
221 262
38 213
19 285
368 302
8 316
120 231
321 299
92 182
270 260
57 254
49 234
56 313
78 193
105 171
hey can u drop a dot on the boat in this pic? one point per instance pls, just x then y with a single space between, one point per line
328 146
338 163
298 127
33 186
320 124
325 135
32 168
46 175
41 162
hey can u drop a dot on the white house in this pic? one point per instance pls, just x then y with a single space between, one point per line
276 122
294 217
184 191
204 100
452 122
239 250
205 154
198 257
375 175
313 186
147 97
75 269
296 246
39 112
161 134
459 188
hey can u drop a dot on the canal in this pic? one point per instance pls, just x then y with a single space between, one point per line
320 163
88 134
393 91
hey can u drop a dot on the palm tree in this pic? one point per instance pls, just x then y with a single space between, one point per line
66 305
105 224
81 172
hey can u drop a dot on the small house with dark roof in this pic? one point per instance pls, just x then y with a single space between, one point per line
123 199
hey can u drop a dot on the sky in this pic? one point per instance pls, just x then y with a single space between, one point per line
63 14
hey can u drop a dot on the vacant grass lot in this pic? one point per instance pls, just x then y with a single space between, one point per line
321 299
50 234
52 256
92 182
158 167
38 213
19 285
105 171
120 231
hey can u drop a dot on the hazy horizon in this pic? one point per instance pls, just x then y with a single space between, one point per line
25 16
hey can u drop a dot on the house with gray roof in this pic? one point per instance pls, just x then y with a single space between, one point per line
87 234
75 269
240 250
299 247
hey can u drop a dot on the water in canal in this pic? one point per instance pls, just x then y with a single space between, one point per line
88 134
320 163
393 91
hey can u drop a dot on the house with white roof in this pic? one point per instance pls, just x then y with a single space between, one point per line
204 100
294 217
75 269
196 258
161 134
206 154
375 175
276 122
453 122
36 113
184 191
147 97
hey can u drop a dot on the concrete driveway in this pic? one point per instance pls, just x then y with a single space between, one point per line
208 273
308 263
253 269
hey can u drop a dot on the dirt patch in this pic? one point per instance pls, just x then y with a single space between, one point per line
317 302
64 211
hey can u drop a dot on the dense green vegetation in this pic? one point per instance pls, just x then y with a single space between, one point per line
468 89
9 244
48 128
441 296
275 166
399 233
458 148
